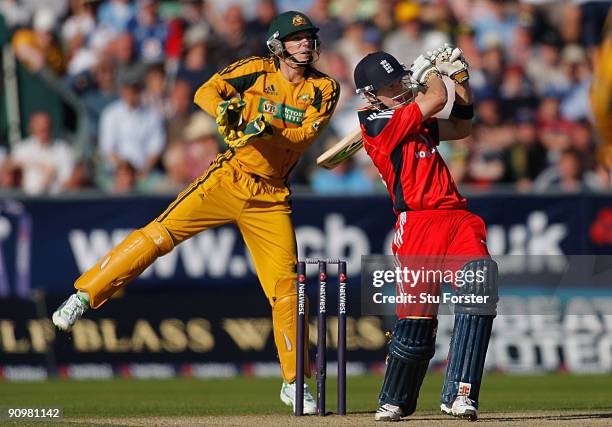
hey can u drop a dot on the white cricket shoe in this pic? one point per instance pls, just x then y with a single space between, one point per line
463 407
287 395
388 412
70 311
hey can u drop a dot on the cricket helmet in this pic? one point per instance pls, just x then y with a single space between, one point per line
286 24
380 69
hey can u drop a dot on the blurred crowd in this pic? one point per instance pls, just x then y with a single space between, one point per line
135 66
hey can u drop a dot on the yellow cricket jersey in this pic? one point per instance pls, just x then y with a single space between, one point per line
299 111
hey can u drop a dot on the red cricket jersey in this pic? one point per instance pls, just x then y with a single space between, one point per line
404 149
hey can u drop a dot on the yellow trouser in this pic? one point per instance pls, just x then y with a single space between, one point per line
224 194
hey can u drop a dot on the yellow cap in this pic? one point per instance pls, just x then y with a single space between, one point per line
406 11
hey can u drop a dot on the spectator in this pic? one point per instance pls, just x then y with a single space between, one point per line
257 28
14 14
122 54
406 43
553 130
37 48
115 15
45 163
177 111
575 100
192 17
75 31
150 32
233 42
526 158
10 174
177 175
130 131
125 178
523 56
543 65
98 94
330 28
346 178
154 93
81 177
202 144
194 67
343 179
567 175
516 91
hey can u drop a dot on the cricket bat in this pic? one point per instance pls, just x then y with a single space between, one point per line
341 151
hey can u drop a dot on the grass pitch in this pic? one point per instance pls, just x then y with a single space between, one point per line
505 400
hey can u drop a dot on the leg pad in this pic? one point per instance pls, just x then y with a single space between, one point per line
124 262
471 333
412 347
284 321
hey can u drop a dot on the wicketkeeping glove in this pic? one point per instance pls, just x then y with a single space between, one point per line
229 116
258 127
421 69
449 61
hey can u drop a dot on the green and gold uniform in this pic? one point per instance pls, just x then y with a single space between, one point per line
246 186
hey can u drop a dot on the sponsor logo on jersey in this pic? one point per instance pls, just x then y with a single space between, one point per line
422 154
305 98
382 115
270 90
269 107
281 111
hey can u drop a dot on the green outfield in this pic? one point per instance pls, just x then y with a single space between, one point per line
126 398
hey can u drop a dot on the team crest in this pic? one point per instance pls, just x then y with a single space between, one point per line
298 20
305 98
269 107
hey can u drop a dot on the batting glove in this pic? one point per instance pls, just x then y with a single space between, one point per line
229 116
421 70
256 128
449 61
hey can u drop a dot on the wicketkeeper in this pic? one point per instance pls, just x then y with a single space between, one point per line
269 110
401 136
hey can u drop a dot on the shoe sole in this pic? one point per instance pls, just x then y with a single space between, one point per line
445 410
387 418
59 323
470 415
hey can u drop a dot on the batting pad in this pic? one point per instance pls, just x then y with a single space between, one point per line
412 347
466 357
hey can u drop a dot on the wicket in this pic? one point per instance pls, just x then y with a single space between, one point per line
321 357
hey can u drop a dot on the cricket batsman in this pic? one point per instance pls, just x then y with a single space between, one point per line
269 110
401 136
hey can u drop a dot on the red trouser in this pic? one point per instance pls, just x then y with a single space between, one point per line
435 242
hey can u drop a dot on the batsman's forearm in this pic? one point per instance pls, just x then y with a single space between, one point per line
463 93
436 87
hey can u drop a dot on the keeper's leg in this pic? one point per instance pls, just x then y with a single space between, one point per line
268 233
470 340
208 202
412 347
124 263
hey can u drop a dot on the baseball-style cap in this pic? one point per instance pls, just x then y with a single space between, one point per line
376 70
290 22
